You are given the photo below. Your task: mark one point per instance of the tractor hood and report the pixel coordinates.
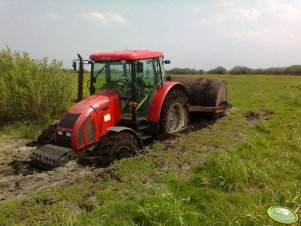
(86, 121)
(90, 104)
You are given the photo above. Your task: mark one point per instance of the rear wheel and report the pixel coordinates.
(174, 113)
(115, 146)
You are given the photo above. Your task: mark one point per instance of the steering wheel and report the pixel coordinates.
(121, 83)
(123, 87)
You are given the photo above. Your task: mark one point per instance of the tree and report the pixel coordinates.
(239, 70)
(185, 71)
(218, 70)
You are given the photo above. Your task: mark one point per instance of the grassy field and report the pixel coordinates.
(226, 172)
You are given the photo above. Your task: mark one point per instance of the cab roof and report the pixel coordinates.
(125, 55)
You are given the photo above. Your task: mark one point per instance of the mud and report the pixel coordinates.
(253, 117)
(18, 178)
(199, 121)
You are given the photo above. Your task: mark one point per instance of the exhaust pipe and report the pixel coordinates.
(80, 79)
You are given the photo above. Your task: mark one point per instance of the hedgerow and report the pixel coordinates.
(31, 89)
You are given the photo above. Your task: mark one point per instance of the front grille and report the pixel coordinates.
(68, 120)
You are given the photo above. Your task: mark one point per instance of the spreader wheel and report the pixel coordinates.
(115, 146)
(174, 114)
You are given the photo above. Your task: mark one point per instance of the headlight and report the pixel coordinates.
(68, 134)
(60, 132)
(89, 133)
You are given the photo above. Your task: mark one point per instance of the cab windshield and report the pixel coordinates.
(112, 75)
(119, 77)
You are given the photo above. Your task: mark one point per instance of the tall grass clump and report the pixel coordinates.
(32, 90)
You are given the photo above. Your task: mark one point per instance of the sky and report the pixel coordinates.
(199, 34)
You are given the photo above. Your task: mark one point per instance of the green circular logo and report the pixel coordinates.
(282, 215)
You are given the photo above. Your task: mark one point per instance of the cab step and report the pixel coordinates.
(145, 137)
(144, 133)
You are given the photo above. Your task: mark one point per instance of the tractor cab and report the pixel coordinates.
(134, 75)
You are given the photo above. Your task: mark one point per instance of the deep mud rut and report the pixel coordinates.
(18, 178)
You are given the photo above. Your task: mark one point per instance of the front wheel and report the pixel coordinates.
(174, 113)
(47, 136)
(115, 146)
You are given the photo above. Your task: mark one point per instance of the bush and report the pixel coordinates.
(32, 90)
(218, 70)
(185, 71)
(239, 70)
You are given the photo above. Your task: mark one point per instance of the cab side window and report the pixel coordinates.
(146, 77)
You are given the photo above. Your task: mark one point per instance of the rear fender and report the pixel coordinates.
(156, 106)
(119, 129)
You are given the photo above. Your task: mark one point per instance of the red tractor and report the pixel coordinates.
(131, 102)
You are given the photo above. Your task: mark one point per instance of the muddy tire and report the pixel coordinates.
(174, 113)
(47, 136)
(115, 146)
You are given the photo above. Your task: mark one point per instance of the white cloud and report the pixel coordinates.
(196, 10)
(273, 22)
(105, 18)
(53, 16)
(214, 20)
(95, 17)
(245, 13)
(250, 35)
(226, 3)
(116, 18)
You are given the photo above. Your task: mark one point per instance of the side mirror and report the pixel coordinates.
(166, 61)
(139, 67)
(74, 65)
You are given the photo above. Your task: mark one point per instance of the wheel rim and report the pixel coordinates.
(122, 152)
(176, 118)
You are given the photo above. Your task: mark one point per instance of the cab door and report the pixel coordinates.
(146, 82)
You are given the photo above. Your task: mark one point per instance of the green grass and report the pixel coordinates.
(27, 130)
(226, 174)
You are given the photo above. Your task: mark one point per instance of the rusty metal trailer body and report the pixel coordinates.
(204, 94)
